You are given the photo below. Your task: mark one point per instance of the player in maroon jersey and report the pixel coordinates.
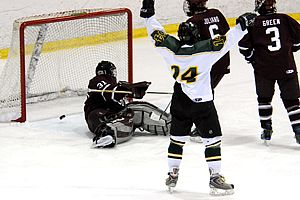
(110, 117)
(269, 47)
(211, 23)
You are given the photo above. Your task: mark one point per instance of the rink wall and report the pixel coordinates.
(168, 12)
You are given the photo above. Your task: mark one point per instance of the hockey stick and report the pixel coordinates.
(110, 91)
(165, 109)
(125, 92)
(159, 92)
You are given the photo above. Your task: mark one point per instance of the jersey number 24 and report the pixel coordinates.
(189, 75)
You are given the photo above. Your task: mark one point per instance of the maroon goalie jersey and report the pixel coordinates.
(270, 44)
(212, 23)
(105, 100)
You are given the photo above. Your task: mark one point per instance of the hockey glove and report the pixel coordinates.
(295, 48)
(138, 89)
(248, 55)
(246, 20)
(218, 42)
(250, 60)
(159, 37)
(147, 9)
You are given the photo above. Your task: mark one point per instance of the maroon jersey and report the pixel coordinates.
(212, 23)
(106, 100)
(270, 44)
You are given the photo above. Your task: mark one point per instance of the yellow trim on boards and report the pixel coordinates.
(172, 28)
(100, 39)
(4, 53)
(73, 43)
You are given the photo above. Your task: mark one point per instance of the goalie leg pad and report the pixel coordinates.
(123, 126)
(150, 118)
(119, 125)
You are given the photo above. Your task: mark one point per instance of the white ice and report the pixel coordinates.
(47, 158)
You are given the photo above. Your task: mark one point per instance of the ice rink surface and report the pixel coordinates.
(47, 158)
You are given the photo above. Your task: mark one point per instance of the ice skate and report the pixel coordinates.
(266, 136)
(296, 130)
(297, 136)
(171, 181)
(195, 136)
(103, 142)
(218, 186)
(105, 138)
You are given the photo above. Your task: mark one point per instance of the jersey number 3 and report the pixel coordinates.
(189, 75)
(275, 39)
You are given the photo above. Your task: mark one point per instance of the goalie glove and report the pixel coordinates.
(138, 89)
(246, 20)
(147, 9)
(159, 37)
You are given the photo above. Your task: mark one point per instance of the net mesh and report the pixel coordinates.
(61, 57)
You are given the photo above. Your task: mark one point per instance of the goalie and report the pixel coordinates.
(109, 115)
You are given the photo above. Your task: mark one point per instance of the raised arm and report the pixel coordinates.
(158, 35)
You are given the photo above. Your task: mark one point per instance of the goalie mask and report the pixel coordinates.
(188, 33)
(106, 67)
(265, 7)
(192, 7)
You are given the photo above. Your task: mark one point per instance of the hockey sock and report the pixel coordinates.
(213, 154)
(293, 110)
(265, 111)
(175, 152)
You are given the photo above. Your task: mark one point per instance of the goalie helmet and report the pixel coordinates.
(188, 33)
(265, 7)
(191, 7)
(106, 67)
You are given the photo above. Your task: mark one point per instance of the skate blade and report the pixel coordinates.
(170, 189)
(220, 192)
(267, 142)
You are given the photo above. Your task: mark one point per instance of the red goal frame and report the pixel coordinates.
(23, 26)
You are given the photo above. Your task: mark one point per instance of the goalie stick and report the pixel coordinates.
(128, 92)
(125, 92)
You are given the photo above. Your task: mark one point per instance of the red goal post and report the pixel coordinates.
(55, 55)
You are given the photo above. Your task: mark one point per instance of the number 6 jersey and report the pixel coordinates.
(271, 43)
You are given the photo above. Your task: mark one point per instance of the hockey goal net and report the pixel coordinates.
(55, 55)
